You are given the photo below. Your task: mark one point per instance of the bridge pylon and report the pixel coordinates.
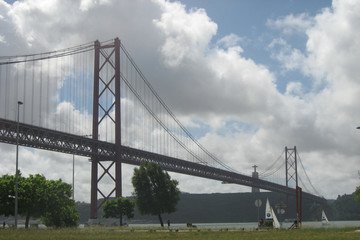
(291, 174)
(106, 101)
(291, 166)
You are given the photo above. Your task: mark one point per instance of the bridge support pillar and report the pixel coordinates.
(107, 81)
(292, 177)
(298, 206)
(255, 174)
(118, 182)
(94, 179)
(291, 166)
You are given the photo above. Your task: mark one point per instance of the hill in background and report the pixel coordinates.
(240, 207)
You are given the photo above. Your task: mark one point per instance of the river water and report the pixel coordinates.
(251, 225)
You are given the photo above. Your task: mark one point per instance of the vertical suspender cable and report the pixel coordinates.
(41, 88)
(144, 130)
(69, 93)
(127, 102)
(16, 96)
(106, 119)
(32, 91)
(24, 91)
(2, 87)
(6, 90)
(47, 113)
(73, 94)
(86, 97)
(71, 86)
(82, 109)
(77, 96)
(63, 86)
(55, 89)
(133, 112)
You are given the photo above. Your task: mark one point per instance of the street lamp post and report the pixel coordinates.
(73, 177)
(17, 163)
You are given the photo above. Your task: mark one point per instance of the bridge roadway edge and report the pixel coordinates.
(37, 137)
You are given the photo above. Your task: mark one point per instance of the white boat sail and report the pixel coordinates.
(324, 219)
(276, 223)
(270, 215)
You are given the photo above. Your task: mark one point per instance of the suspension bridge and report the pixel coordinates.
(93, 100)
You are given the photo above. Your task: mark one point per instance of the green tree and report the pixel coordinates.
(7, 194)
(357, 194)
(60, 208)
(119, 207)
(32, 197)
(155, 192)
(38, 197)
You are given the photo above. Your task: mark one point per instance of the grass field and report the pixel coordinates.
(117, 233)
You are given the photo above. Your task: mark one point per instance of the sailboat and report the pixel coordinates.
(276, 223)
(324, 219)
(270, 216)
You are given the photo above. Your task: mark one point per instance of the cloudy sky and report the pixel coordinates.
(246, 77)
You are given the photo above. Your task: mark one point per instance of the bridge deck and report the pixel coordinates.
(36, 137)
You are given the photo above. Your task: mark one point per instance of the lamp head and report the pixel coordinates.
(20, 103)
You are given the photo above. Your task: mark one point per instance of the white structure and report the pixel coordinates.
(324, 219)
(270, 215)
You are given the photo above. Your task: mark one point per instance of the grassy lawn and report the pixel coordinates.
(117, 233)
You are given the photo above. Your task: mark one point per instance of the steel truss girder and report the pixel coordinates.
(37, 137)
(136, 157)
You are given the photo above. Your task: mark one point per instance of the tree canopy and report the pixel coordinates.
(39, 197)
(346, 208)
(60, 208)
(155, 192)
(119, 207)
(32, 196)
(357, 194)
(7, 194)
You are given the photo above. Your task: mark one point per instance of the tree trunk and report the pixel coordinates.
(27, 220)
(161, 221)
